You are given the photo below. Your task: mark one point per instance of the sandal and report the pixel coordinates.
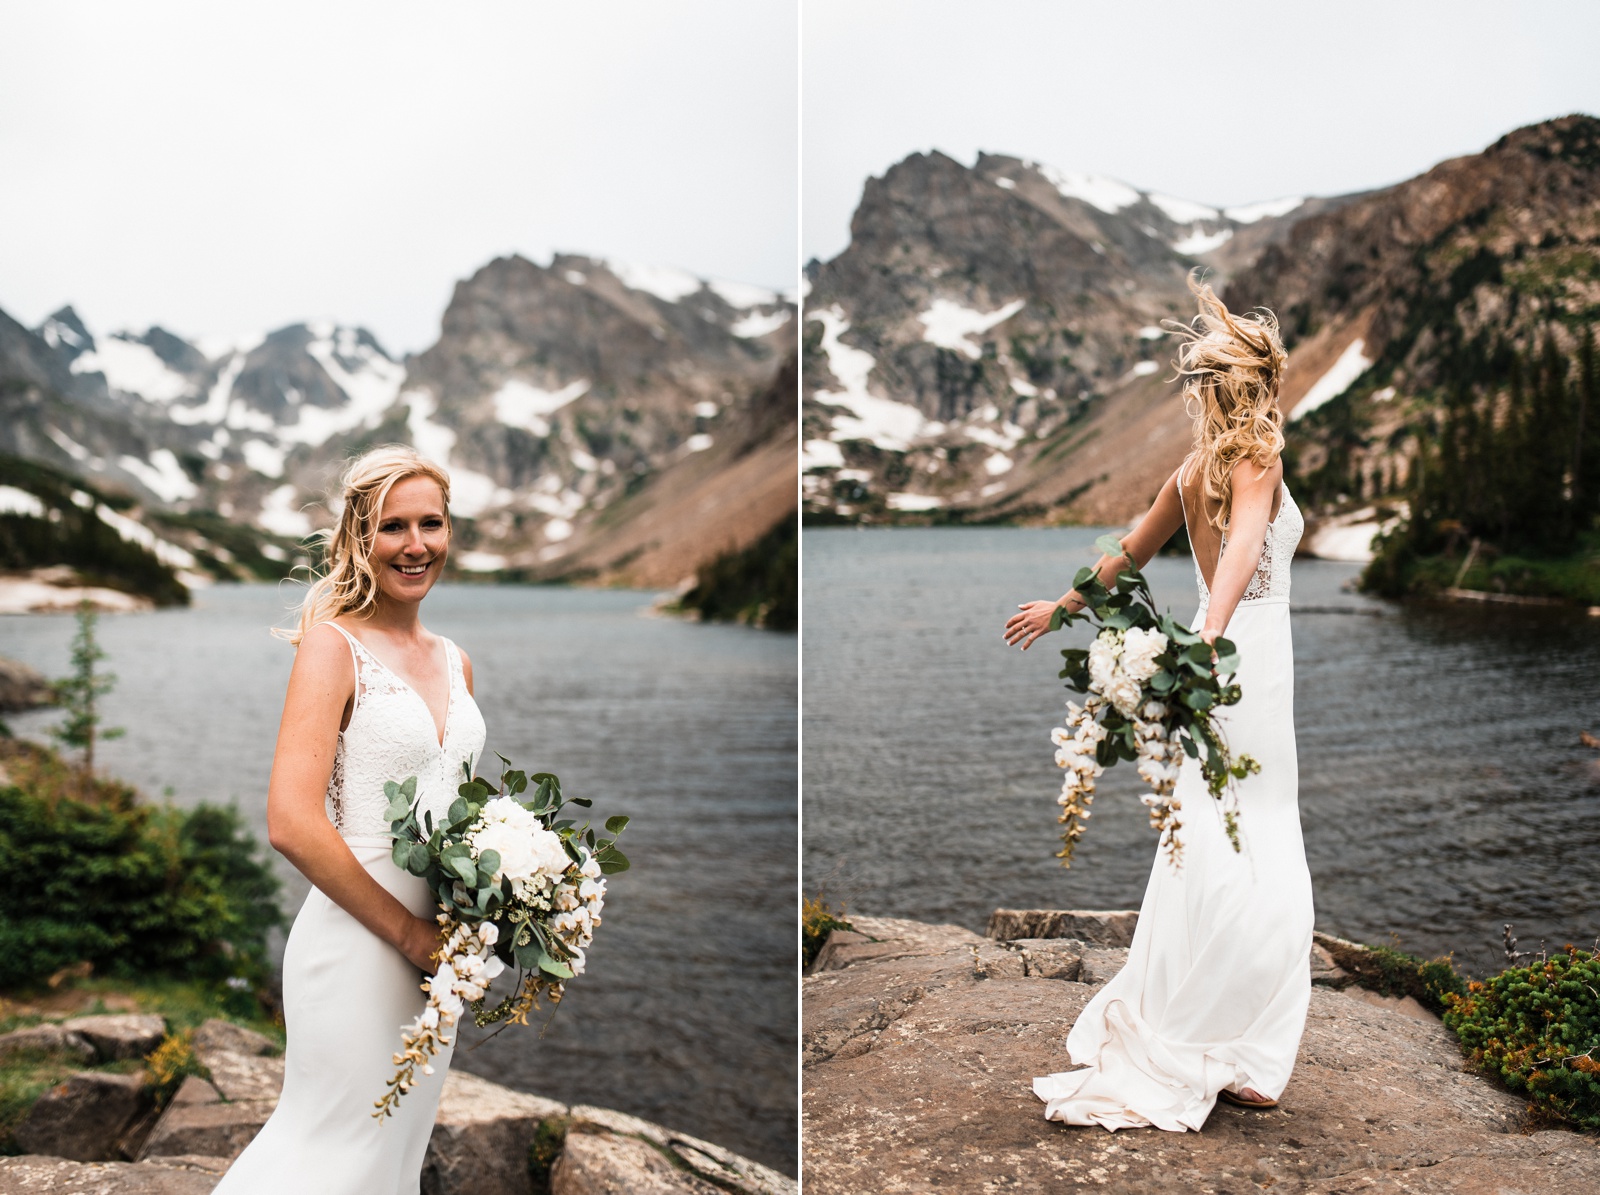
(1233, 1097)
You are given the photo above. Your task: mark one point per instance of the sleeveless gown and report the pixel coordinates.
(347, 993)
(1217, 983)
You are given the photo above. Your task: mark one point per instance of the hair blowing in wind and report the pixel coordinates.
(1230, 366)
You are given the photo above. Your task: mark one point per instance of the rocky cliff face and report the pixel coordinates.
(1410, 295)
(990, 329)
(553, 394)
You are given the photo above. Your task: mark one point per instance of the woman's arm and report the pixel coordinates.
(320, 685)
(1254, 488)
(1163, 518)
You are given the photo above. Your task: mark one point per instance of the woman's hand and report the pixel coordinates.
(421, 943)
(1034, 620)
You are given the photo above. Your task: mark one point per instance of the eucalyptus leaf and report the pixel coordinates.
(1110, 545)
(616, 824)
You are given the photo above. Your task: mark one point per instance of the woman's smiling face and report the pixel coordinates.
(413, 539)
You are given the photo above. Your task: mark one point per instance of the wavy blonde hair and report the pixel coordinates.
(1231, 367)
(349, 583)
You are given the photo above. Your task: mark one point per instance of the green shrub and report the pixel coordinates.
(1537, 1029)
(133, 889)
(817, 921)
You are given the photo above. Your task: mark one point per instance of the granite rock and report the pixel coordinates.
(85, 1117)
(45, 1039)
(917, 1077)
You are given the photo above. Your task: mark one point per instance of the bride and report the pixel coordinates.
(1213, 999)
(373, 696)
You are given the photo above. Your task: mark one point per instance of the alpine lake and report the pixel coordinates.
(686, 1014)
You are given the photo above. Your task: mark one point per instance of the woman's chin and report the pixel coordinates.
(399, 587)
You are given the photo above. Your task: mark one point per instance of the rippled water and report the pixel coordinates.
(1443, 790)
(686, 1015)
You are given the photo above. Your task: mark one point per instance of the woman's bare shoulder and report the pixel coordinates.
(1249, 473)
(322, 649)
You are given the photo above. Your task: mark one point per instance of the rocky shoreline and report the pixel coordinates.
(920, 1043)
(99, 1133)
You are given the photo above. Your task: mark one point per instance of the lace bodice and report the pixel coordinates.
(1271, 578)
(392, 735)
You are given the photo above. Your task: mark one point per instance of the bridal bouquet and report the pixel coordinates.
(1152, 687)
(517, 887)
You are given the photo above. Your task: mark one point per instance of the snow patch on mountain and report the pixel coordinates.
(1352, 363)
(888, 424)
(1198, 241)
(755, 324)
(664, 282)
(20, 502)
(1249, 213)
(266, 459)
(161, 475)
(133, 368)
(821, 454)
(1107, 194)
(133, 531)
(948, 324)
(1183, 211)
(520, 404)
(743, 294)
(281, 516)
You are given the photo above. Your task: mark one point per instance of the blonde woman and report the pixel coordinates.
(374, 696)
(1212, 1001)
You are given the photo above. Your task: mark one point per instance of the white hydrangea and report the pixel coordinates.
(1103, 659)
(1125, 694)
(531, 855)
(1139, 651)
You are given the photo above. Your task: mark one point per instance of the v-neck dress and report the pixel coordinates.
(347, 994)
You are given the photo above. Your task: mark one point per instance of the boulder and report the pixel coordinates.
(715, 1166)
(481, 1137)
(244, 1077)
(601, 1163)
(57, 1176)
(917, 1076)
(45, 1039)
(216, 1034)
(1097, 927)
(214, 1130)
(22, 688)
(84, 1118)
(119, 1035)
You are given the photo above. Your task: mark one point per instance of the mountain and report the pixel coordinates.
(988, 346)
(559, 396)
(1423, 299)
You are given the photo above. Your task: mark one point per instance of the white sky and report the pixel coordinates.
(1222, 102)
(227, 167)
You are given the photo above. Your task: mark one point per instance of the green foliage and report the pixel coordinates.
(170, 1063)
(759, 585)
(1390, 972)
(817, 921)
(131, 888)
(1537, 1029)
(75, 535)
(79, 694)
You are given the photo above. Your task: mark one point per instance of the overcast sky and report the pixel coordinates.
(226, 167)
(1221, 102)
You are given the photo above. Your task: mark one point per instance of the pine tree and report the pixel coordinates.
(80, 693)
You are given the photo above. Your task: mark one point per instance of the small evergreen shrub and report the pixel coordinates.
(1537, 1029)
(817, 921)
(133, 889)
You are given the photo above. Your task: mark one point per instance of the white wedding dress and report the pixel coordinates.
(1215, 990)
(347, 993)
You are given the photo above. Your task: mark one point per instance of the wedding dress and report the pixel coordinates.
(347, 993)
(1217, 983)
